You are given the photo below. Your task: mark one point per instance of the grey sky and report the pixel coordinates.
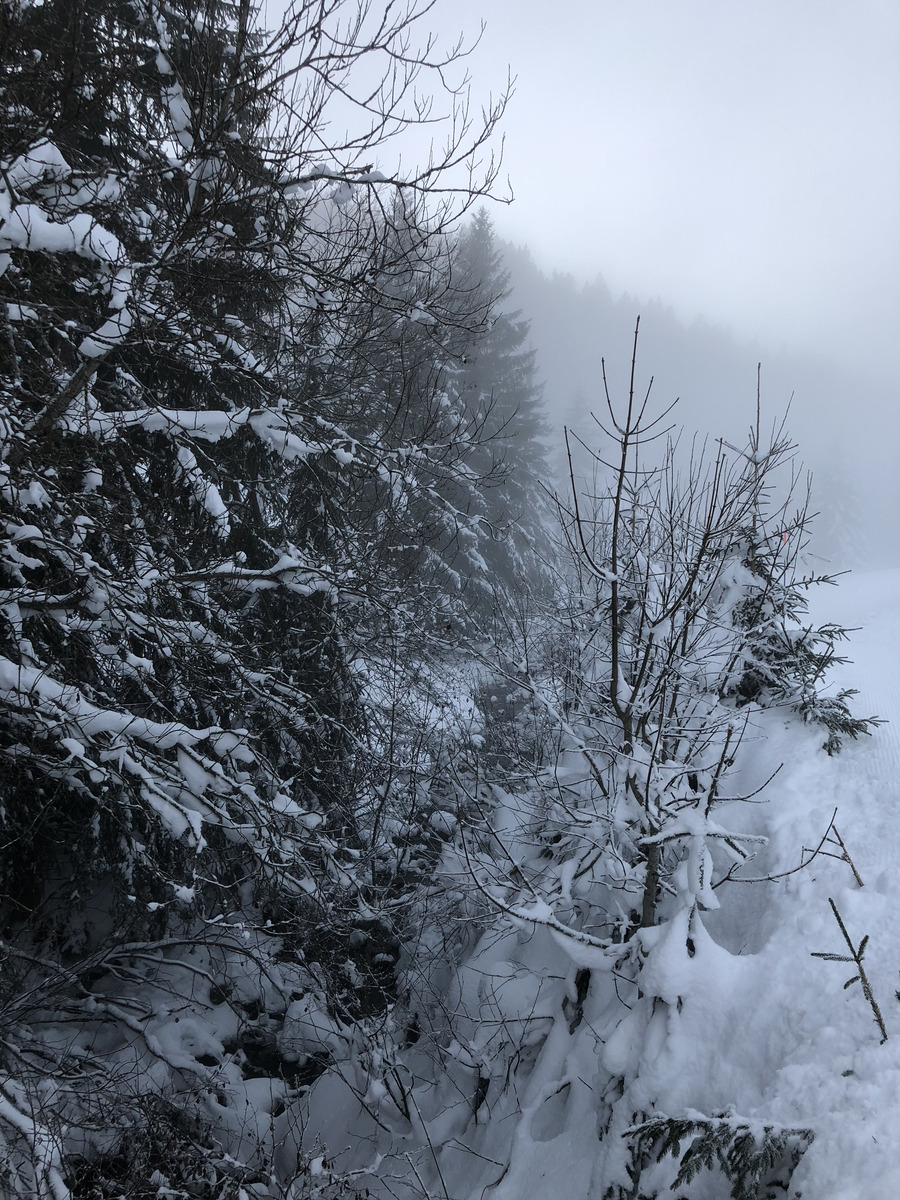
(738, 160)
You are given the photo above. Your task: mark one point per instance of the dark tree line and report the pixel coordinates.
(246, 510)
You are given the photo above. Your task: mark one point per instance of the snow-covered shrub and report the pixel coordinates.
(571, 1042)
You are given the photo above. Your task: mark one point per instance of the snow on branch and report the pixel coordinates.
(21, 686)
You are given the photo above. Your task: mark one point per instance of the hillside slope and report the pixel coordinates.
(833, 1072)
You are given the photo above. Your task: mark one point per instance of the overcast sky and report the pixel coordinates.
(739, 160)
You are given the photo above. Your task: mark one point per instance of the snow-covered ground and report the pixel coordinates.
(766, 1029)
(820, 1061)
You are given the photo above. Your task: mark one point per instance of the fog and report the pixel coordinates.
(581, 330)
(732, 172)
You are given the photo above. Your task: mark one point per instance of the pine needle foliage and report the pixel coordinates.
(756, 1160)
(186, 791)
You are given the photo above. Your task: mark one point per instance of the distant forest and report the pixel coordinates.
(845, 425)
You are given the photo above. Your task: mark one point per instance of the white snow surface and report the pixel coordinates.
(791, 1044)
(823, 1064)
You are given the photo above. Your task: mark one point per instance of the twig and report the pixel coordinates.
(855, 956)
(844, 855)
(730, 878)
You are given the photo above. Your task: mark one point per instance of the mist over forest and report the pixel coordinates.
(846, 424)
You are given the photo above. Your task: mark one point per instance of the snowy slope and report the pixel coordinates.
(821, 1062)
(762, 1028)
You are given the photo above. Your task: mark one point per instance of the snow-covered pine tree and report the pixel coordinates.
(418, 525)
(179, 721)
(780, 658)
(413, 537)
(495, 373)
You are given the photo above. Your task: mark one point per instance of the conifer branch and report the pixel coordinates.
(856, 957)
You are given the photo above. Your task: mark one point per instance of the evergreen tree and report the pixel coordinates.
(180, 724)
(777, 658)
(495, 373)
